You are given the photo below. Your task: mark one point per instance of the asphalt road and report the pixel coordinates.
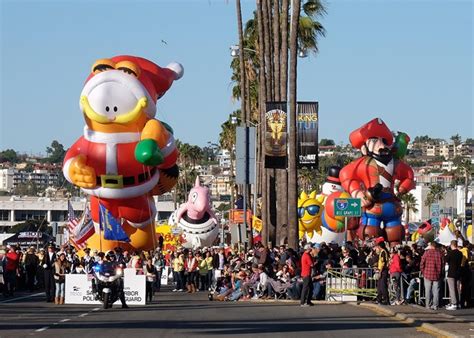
(184, 315)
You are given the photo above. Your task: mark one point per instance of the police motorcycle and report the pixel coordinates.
(107, 282)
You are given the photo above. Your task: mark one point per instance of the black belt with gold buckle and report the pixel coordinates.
(119, 181)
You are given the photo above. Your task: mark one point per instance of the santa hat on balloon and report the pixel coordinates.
(153, 80)
(374, 128)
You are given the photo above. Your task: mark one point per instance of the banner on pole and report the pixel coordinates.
(307, 116)
(276, 135)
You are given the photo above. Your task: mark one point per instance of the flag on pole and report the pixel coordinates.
(85, 228)
(111, 226)
(72, 223)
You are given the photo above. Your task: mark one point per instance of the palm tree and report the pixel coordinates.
(409, 204)
(309, 29)
(456, 140)
(292, 170)
(241, 63)
(184, 155)
(435, 194)
(306, 180)
(195, 155)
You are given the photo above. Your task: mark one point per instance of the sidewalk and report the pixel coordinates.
(442, 323)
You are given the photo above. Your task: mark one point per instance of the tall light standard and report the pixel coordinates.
(235, 52)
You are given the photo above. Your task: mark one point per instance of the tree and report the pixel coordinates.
(469, 141)
(409, 203)
(463, 173)
(28, 188)
(292, 170)
(32, 225)
(327, 142)
(456, 139)
(309, 29)
(307, 180)
(8, 155)
(435, 194)
(55, 152)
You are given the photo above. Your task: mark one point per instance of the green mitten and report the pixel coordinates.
(148, 153)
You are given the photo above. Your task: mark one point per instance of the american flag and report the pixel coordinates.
(72, 222)
(85, 228)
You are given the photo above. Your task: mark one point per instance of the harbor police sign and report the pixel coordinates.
(78, 289)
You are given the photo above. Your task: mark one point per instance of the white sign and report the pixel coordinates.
(78, 289)
(30, 234)
(164, 276)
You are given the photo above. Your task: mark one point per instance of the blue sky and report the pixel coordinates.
(408, 62)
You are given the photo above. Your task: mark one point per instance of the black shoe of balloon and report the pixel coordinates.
(124, 306)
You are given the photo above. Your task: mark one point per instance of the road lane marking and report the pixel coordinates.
(64, 320)
(83, 314)
(42, 329)
(24, 297)
(96, 309)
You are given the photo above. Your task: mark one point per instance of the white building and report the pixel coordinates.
(10, 178)
(451, 206)
(14, 210)
(224, 158)
(6, 179)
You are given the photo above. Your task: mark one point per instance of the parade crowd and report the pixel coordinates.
(398, 273)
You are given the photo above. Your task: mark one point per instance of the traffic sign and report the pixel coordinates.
(435, 215)
(347, 207)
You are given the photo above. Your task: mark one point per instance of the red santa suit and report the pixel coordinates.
(123, 185)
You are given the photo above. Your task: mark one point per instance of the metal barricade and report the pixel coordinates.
(443, 290)
(351, 284)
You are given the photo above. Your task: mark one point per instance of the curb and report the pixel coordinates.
(291, 301)
(410, 320)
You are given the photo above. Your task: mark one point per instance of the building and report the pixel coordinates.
(427, 179)
(14, 209)
(326, 151)
(10, 178)
(451, 206)
(220, 186)
(224, 158)
(6, 179)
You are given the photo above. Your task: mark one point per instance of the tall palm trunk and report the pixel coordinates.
(261, 104)
(271, 189)
(243, 99)
(281, 175)
(284, 51)
(292, 170)
(283, 68)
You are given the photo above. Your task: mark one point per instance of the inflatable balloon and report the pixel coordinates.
(446, 232)
(378, 178)
(196, 219)
(425, 231)
(469, 232)
(125, 155)
(309, 214)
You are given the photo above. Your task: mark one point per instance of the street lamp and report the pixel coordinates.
(235, 51)
(303, 52)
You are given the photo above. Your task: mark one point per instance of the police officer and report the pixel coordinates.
(110, 263)
(48, 266)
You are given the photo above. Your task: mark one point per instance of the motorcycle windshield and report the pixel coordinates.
(108, 269)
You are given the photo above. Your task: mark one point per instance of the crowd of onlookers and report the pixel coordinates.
(399, 273)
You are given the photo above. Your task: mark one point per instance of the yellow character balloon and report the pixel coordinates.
(309, 214)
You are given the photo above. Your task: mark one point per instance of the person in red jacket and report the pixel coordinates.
(11, 270)
(306, 267)
(395, 270)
